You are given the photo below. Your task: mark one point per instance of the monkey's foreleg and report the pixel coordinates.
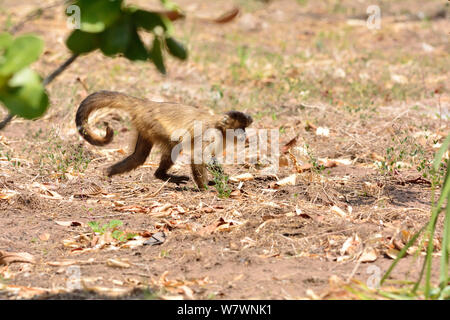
(164, 166)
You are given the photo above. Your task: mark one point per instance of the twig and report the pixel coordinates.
(108, 216)
(35, 14)
(326, 233)
(60, 69)
(5, 121)
(391, 122)
(160, 188)
(353, 137)
(138, 274)
(417, 180)
(353, 271)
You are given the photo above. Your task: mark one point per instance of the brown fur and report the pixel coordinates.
(155, 123)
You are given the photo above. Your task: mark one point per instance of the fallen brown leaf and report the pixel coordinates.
(338, 211)
(6, 194)
(288, 181)
(44, 236)
(65, 263)
(285, 149)
(211, 228)
(227, 16)
(9, 257)
(392, 253)
(351, 245)
(172, 15)
(69, 223)
(309, 126)
(369, 255)
(235, 194)
(242, 177)
(117, 263)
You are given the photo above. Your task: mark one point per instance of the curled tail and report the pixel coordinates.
(98, 100)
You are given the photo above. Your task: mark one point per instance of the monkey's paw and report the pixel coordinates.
(179, 179)
(172, 178)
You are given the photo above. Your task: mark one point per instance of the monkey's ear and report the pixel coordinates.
(222, 124)
(225, 119)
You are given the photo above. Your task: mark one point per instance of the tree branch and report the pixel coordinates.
(5, 121)
(60, 69)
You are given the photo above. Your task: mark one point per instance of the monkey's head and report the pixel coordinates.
(235, 120)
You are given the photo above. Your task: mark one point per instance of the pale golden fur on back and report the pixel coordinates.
(154, 120)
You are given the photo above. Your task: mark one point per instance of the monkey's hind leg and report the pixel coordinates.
(134, 160)
(200, 174)
(164, 166)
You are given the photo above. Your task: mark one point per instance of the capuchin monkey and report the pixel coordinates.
(156, 123)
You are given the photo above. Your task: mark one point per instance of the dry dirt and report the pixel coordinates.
(295, 66)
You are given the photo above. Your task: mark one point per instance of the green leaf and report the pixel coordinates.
(94, 226)
(131, 235)
(440, 154)
(24, 77)
(136, 49)
(114, 224)
(97, 15)
(20, 53)
(445, 293)
(169, 5)
(176, 49)
(149, 20)
(156, 55)
(82, 42)
(118, 235)
(5, 40)
(116, 38)
(25, 95)
(444, 276)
